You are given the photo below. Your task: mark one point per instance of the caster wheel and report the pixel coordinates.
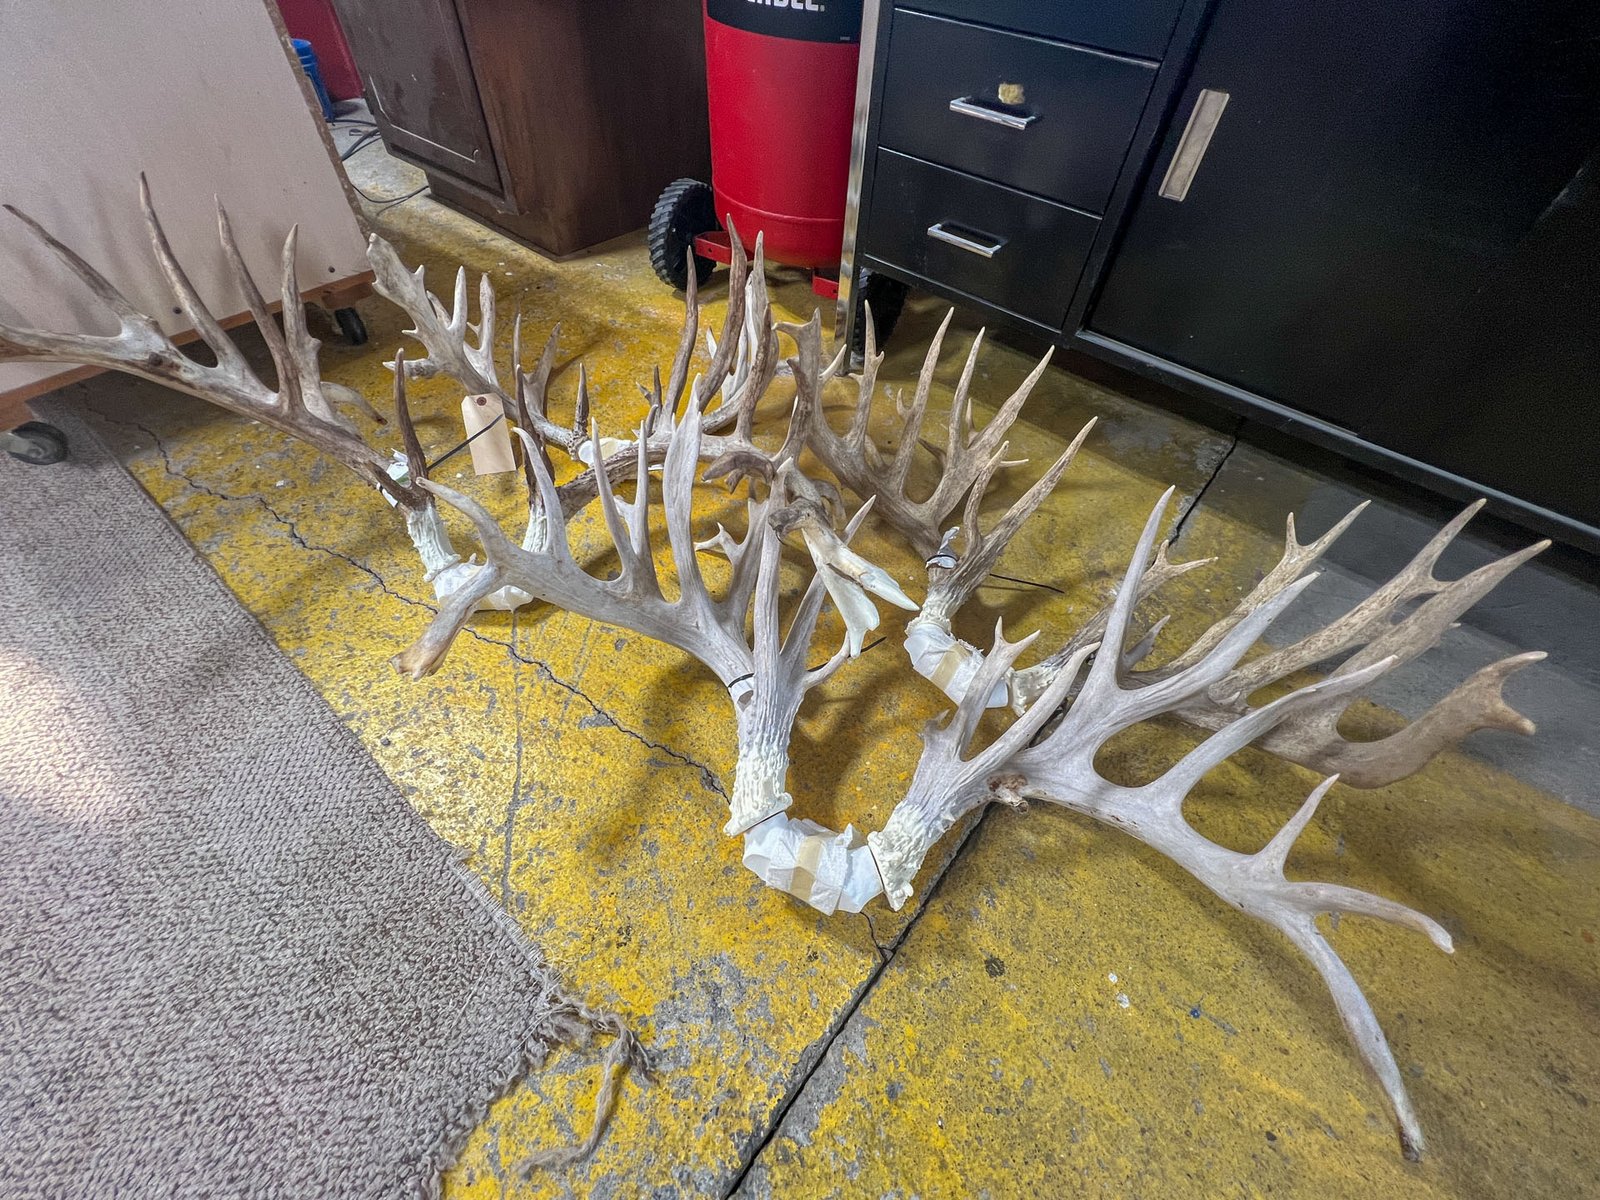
(351, 325)
(35, 442)
(682, 213)
(887, 297)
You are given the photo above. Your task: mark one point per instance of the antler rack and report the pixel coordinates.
(1065, 706)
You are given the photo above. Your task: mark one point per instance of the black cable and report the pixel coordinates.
(462, 446)
(1030, 582)
(387, 201)
(361, 143)
(402, 199)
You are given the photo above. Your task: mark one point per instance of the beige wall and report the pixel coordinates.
(200, 96)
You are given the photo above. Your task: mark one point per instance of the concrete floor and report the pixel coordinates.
(976, 1043)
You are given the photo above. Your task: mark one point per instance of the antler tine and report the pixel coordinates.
(712, 381)
(254, 300)
(205, 324)
(537, 381)
(805, 366)
(963, 464)
(745, 558)
(1313, 739)
(911, 426)
(677, 483)
(482, 355)
(1027, 683)
(1424, 627)
(679, 378)
(580, 417)
(304, 390)
(958, 431)
(534, 444)
(1103, 674)
(1369, 617)
(103, 290)
(856, 439)
(639, 514)
(1297, 557)
(764, 356)
(424, 656)
(734, 387)
(956, 734)
(416, 462)
(635, 578)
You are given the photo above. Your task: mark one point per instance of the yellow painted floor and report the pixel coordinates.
(973, 1044)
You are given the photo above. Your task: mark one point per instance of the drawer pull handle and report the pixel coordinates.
(967, 240)
(1194, 143)
(970, 106)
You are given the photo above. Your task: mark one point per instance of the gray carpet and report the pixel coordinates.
(233, 961)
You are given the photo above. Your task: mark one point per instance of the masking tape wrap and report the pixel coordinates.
(829, 871)
(950, 663)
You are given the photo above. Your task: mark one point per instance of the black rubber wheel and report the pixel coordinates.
(351, 325)
(887, 297)
(682, 213)
(36, 443)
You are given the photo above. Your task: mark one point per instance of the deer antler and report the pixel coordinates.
(1374, 629)
(767, 678)
(302, 404)
(446, 337)
(1059, 767)
(857, 463)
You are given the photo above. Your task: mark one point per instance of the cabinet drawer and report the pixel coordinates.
(1065, 138)
(1140, 27)
(1022, 254)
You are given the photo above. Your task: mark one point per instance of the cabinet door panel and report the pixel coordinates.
(414, 67)
(1378, 176)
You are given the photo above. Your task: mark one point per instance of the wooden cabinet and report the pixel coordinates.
(420, 88)
(1380, 229)
(558, 123)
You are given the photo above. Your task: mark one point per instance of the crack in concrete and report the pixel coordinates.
(886, 956)
(514, 805)
(708, 778)
(1194, 501)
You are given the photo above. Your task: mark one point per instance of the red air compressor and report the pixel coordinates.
(781, 80)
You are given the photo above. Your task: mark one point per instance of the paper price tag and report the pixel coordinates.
(490, 435)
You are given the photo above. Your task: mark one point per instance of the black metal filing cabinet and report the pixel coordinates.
(1376, 226)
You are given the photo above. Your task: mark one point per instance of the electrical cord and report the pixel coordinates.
(361, 143)
(387, 202)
